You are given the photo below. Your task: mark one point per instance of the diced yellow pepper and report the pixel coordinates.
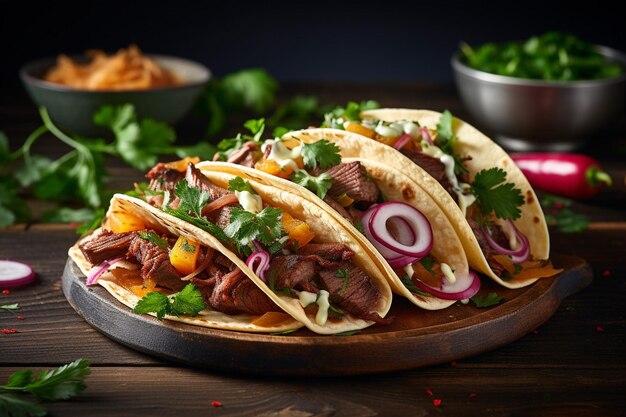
(272, 168)
(344, 200)
(297, 230)
(184, 255)
(120, 222)
(360, 130)
(181, 164)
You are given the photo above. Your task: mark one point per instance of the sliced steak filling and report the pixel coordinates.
(433, 166)
(486, 248)
(245, 155)
(358, 296)
(331, 251)
(163, 178)
(294, 272)
(195, 178)
(235, 293)
(155, 264)
(351, 179)
(107, 245)
(338, 208)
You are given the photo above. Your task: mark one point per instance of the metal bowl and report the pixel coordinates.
(73, 109)
(529, 114)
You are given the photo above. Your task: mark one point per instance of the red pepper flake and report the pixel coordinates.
(21, 317)
(14, 330)
(606, 273)
(6, 292)
(428, 392)
(453, 364)
(599, 328)
(6, 331)
(216, 404)
(473, 394)
(437, 402)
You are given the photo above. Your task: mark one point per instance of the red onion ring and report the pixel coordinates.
(262, 257)
(14, 274)
(452, 292)
(402, 141)
(376, 227)
(401, 261)
(518, 255)
(99, 270)
(426, 135)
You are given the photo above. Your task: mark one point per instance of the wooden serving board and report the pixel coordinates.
(415, 338)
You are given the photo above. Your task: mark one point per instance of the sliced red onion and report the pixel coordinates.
(99, 270)
(14, 274)
(426, 135)
(518, 255)
(402, 140)
(378, 233)
(401, 261)
(260, 258)
(464, 287)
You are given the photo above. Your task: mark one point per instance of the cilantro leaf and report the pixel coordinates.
(322, 153)
(568, 221)
(408, 283)
(188, 301)
(200, 222)
(343, 273)
(446, 138)
(239, 184)
(489, 300)
(245, 226)
(319, 185)
(428, 262)
(494, 195)
(15, 306)
(154, 238)
(192, 199)
(12, 406)
(280, 131)
(256, 127)
(351, 112)
(154, 302)
(57, 384)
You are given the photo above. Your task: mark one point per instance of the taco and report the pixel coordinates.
(484, 195)
(399, 224)
(251, 254)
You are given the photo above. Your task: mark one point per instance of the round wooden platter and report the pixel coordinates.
(415, 338)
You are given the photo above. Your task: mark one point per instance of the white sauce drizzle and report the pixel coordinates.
(447, 272)
(283, 156)
(322, 312)
(250, 202)
(307, 298)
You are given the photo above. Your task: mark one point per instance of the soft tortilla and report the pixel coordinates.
(395, 186)
(485, 154)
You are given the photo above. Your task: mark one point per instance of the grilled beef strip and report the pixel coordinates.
(293, 272)
(433, 166)
(486, 248)
(357, 297)
(351, 179)
(331, 251)
(163, 178)
(106, 245)
(245, 155)
(338, 208)
(155, 264)
(195, 178)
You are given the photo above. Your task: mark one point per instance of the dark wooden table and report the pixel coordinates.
(574, 364)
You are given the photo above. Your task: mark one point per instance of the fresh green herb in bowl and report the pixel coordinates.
(553, 56)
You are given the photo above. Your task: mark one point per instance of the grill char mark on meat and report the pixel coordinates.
(107, 245)
(235, 293)
(351, 179)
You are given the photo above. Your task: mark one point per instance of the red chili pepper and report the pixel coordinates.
(566, 174)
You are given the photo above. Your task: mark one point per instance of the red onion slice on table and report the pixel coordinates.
(14, 274)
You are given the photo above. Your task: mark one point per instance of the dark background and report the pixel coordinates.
(391, 41)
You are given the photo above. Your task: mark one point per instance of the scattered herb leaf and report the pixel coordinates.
(322, 153)
(489, 300)
(154, 238)
(319, 185)
(188, 302)
(494, 195)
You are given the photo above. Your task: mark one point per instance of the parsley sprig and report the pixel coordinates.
(497, 196)
(61, 383)
(187, 302)
(322, 153)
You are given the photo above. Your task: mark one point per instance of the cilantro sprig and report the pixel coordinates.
(446, 140)
(322, 153)
(497, 196)
(319, 185)
(61, 383)
(187, 302)
(256, 127)
(244, 226)
(239, 184)
(154, 238)
(351, 112)
(488, 300)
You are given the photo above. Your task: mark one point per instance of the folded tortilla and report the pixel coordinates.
(485, 154)
(326, 230)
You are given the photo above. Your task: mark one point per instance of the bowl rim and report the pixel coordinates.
(606, 51)
(28, 78)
